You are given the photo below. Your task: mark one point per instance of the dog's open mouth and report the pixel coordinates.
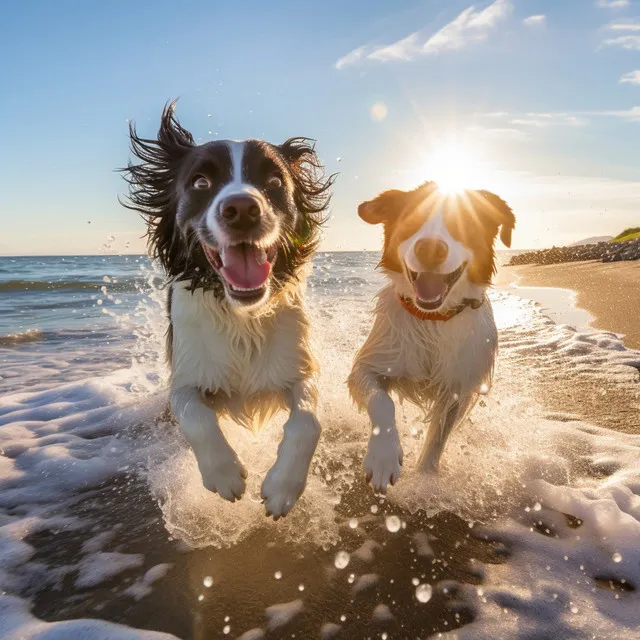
(245, 268)
(431, 289)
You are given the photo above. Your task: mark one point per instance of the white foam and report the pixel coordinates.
(100, 567)
(278, 615)
(17, 622)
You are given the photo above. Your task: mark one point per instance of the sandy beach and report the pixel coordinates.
(609, 292)
(586, 294)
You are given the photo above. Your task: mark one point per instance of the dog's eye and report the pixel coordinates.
(200, 182)
(274, 181)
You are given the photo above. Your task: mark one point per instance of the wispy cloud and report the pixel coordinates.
(573, 119)
(539, 120)
(633, 77)
(535, 21)
(469, 27)
(624, 26)
(509, 133)
(632, 114)
(612, 4)
(631, 43)
(631, 39)
(351, 58)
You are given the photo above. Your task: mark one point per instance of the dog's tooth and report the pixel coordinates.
(221, 253)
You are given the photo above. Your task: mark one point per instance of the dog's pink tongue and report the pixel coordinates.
(242, 269)
(429, 286)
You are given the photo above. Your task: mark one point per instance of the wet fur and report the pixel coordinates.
(438, 366)
(244, 363)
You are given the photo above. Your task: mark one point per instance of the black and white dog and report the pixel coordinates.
(234, 225)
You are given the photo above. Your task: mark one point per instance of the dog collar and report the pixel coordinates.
(409, 306)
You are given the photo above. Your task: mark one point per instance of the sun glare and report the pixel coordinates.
(454, 168)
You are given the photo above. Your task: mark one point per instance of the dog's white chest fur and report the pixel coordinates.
(457, 355)
(216, 349)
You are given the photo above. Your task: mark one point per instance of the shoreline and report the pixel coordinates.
(592, 294)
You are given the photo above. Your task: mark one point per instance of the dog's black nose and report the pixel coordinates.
(241, 211)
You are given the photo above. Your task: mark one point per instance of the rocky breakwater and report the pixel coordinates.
(602, 251)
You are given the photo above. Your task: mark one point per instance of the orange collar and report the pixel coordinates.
(408, 305)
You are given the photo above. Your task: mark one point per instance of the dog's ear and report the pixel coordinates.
(500, 214)
(312, 188)
(172, 136)
(382, 208)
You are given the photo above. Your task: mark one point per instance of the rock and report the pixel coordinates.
(604, 251)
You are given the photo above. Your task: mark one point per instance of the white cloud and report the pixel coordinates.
(509, 133)
(624, 26)
(469, 27)
(632, 114)
(539, 120)
(633, 77)
(535, 21)
(631, 43)
(351, 58)
(404, 49)
(612, 4)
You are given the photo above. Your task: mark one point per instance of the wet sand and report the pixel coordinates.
(609, 292)
(608, 298)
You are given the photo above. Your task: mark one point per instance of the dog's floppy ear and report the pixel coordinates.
(312, 190)
(500, 214)
(382, 208)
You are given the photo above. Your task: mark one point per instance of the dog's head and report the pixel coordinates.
(240, 218)
(438, 249)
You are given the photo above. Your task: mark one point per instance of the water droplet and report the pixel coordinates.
(99, 302)
(374, 508)
(300, 587)
(376, 431)
(343, 618)
(106, 278)
(226, 629)
(484, 389)
(351, 578)
(353, 523)
(574, 609)
(384, 635)
(424, 592)
(338, 159)
(277, 575)
(617, 557)
(341, 560)
(200, 598)
(415, 582)
(393, 523)
(537, 506)
(208, 581)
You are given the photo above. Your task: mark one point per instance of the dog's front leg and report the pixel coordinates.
(287, 478)
(221, 470)
(384, 453)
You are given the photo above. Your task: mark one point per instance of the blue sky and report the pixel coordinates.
(542, 95)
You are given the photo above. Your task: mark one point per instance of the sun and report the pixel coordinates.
(454, 167)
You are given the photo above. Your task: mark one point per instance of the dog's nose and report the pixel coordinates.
(431, 252)
(241, 211)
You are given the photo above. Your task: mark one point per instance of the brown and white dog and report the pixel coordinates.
(234, 225)
(434, 339)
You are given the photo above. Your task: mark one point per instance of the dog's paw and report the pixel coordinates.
(223, 473)
(383, 460)
(283, 485)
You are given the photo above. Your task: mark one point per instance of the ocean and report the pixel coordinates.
(530, 529)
